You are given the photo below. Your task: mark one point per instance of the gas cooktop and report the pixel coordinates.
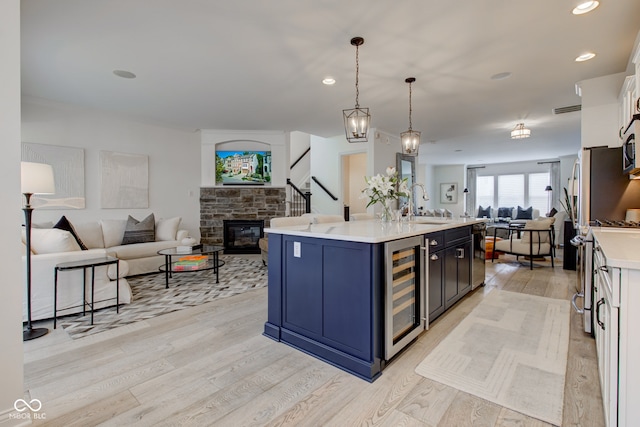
(616, 223)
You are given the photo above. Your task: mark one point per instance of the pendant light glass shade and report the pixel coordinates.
(410, 139)
(520, 132)
(357, 120)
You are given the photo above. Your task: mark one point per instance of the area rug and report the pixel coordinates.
(151, 299)
(510, 350)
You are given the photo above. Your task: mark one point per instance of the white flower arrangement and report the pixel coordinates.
(381, 188)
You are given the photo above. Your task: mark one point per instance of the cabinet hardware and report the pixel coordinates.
(433, 242)
(434, 257)
(598, 305)
(460, 253)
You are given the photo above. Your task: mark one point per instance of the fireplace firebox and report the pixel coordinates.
(242, 236)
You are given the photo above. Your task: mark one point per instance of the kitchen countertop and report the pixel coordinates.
(374, 231)
(620, 246)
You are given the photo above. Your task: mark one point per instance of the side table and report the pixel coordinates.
(84, 265)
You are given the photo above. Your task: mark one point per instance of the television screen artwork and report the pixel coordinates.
(243, 167)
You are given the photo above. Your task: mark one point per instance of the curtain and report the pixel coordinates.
(557, 193)
(470, 208)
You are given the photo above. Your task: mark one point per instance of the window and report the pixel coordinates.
(484, 191)
(538, 197)
(513, 190)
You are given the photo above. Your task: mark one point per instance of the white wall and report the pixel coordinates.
(326, 165)
(355, 166)
(174, 163)
(299, 143)
(243, 140)
(12, 288)
(449, 174)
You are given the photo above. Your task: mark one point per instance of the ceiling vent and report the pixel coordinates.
(569, 109)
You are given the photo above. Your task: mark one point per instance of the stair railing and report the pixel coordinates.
(300, 202)
(324, 188)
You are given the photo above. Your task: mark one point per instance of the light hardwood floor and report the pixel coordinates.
(210, 365)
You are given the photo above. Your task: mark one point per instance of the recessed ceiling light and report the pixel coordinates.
(585, 57)
(501, 76)
(124, 74)
(329, 81)
(584, 6)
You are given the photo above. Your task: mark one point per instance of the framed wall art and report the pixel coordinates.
(125, 180)
(449, 192)
(68, 174)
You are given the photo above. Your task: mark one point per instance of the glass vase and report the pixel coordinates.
(386, 215)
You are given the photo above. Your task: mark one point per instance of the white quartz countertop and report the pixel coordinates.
(620, 246)
(373, 231)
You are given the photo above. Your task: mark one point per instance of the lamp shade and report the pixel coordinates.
(548, 188)
(36, 178)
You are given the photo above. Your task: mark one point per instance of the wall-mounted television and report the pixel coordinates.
(243, 167)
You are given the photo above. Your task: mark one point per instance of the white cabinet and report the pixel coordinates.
(606, 333)
(627, 103)
(617, 333)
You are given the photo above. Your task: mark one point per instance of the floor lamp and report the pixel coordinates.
(36, 178)
(548, 190)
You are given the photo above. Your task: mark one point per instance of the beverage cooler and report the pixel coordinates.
(404, 293)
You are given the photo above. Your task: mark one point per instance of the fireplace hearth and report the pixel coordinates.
(242, 236)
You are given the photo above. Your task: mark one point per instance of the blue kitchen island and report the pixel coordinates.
(353, 294)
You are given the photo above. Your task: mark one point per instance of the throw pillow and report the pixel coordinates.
(552, 212)
(139, 231)
(525, 213)
(484, 213)
(505, 212)
(64, 224)
(167, 229)
(50, 241)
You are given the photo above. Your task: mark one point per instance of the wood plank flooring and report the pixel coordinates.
(210, 365)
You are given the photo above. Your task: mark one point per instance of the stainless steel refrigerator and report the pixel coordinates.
(605, 191)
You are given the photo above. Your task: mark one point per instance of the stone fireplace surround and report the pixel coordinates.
(220, 203)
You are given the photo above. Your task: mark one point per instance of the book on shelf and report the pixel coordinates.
(185, 249)
(192, 258)
(191, 262)
(180, 267)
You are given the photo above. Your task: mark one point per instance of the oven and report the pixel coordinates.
(584, 242)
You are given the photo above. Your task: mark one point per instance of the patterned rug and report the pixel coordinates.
(151, 299)
(511, 350)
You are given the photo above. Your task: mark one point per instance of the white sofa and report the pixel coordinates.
(50, 247)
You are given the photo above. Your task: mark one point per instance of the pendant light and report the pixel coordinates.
(410, 139)
(357, 120)
(520, 132)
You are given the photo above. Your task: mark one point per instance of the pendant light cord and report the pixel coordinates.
(410, 110)
(357, 72)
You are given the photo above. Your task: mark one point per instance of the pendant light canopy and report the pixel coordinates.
(357, 120)
(410, 139)
(520, 132)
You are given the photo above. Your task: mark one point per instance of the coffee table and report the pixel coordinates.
(213, 262)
